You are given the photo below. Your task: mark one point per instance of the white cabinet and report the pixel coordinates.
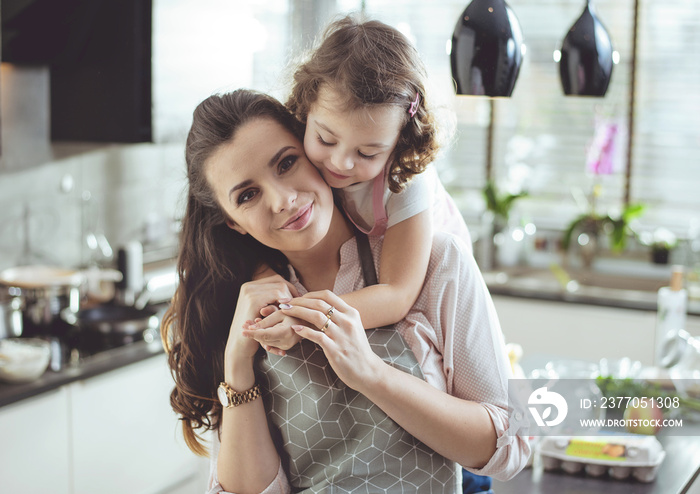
(125, 435)
(579, 331)
(114, 433)
(35, 445)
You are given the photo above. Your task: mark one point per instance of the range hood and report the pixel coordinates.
(46, 32)
(99, 56)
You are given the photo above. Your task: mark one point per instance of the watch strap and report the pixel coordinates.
(236, 399)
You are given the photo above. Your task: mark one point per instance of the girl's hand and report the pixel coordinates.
(274, 332)
(340, 334)
(253, 297)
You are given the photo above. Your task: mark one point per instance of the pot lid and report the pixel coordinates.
(40, 276)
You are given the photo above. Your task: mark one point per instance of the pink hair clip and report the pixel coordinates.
(414, 106)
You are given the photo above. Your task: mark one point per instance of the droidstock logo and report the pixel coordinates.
(541, 399)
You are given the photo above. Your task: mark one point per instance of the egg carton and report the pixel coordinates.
(619, 456)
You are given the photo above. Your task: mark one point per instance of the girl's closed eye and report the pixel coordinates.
(322, 142)
(360, 153)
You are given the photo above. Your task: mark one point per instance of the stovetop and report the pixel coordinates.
(71, 346)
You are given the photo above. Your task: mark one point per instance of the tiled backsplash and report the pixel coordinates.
(136, 192)
(53, 194)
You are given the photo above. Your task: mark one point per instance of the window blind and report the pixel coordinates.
(666, 151)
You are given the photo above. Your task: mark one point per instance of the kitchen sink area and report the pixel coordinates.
(581, 286)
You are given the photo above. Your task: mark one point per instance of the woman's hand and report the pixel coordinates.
(253, 297)
(337, 329)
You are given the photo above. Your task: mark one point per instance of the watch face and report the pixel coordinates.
(223, 398)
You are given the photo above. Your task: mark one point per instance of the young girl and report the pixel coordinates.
(369, 131)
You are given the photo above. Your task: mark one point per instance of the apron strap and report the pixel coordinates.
(366, 259)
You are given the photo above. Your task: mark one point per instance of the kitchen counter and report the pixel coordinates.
(94, 365)
(676, 474)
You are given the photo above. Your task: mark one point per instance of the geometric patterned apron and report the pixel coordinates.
(331, 438)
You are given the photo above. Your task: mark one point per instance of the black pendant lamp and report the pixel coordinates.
(486, 49)
(586, 57)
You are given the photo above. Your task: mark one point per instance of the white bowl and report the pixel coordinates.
(23, 359)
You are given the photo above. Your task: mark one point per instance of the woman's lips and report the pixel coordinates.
(300, 219)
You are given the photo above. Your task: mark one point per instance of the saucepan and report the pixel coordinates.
(44, 291)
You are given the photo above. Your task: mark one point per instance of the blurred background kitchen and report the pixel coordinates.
(96, 99)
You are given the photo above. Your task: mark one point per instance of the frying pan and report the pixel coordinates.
(114, 319)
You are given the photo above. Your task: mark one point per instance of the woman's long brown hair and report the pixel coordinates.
(213, 262)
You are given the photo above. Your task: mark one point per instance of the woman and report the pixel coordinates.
(255, 201)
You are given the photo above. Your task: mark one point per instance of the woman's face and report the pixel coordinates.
(269, 189)
(350, 146)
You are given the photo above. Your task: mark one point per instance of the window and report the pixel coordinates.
(201, 47)
(541, 137)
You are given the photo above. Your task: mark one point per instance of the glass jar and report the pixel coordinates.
(680, 354)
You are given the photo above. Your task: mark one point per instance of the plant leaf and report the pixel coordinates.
(566, 239)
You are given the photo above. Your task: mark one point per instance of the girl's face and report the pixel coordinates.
(350, 146)
(268, 188)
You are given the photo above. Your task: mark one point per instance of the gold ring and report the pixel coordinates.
(330, 312)
(325, 326)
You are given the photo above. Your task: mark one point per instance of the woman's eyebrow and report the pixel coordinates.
(241, 185)
(273, 161)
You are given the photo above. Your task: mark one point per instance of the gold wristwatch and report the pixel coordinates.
(230, 398)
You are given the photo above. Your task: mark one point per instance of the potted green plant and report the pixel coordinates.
(587, 227)
(500, 249)
(500, 204)
(593, 224)
(662, 243)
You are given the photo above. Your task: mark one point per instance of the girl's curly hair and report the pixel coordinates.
(373, 64)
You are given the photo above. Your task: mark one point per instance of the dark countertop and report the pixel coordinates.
(92, 366)
(680, 468)
(678, 471)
